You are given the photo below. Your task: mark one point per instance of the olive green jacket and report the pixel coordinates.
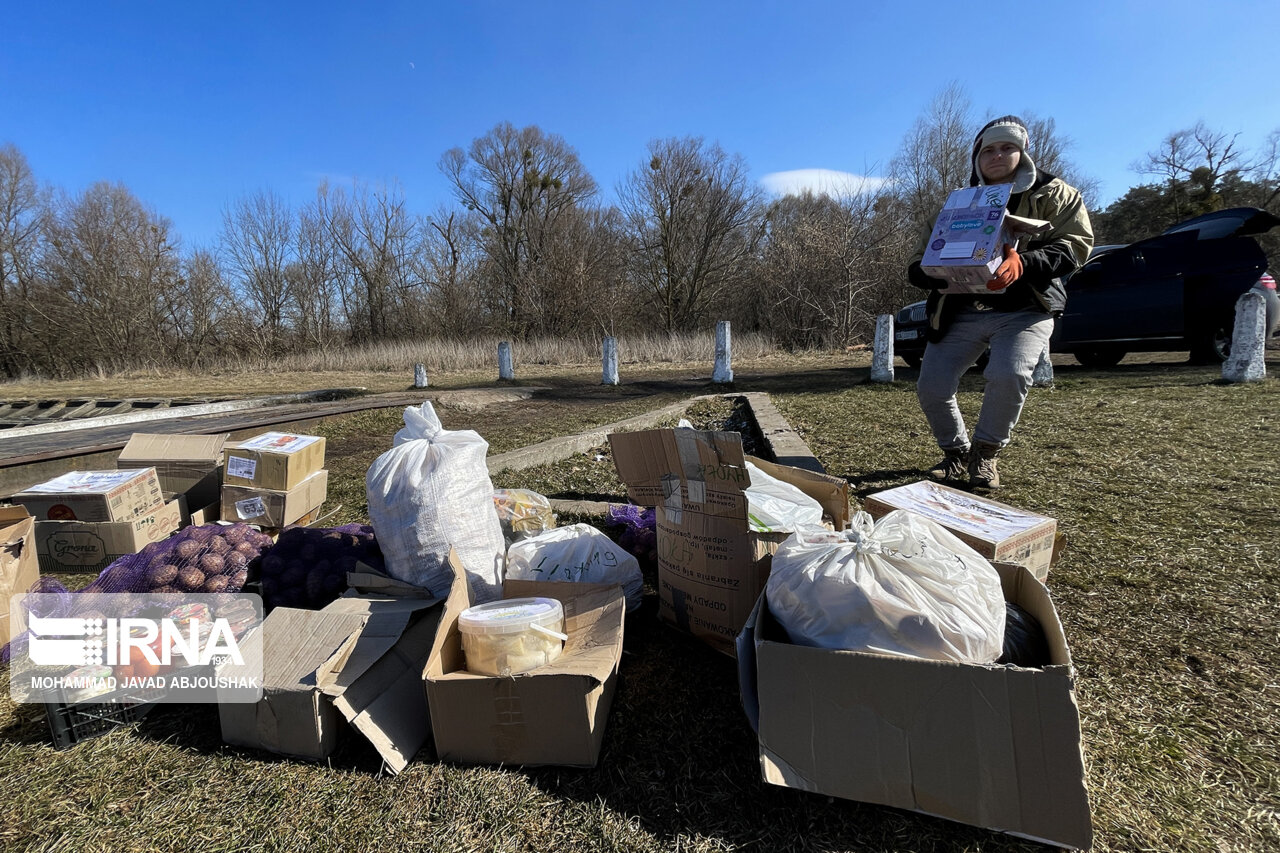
(1047, 258)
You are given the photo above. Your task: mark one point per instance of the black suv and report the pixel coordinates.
(1174, 291)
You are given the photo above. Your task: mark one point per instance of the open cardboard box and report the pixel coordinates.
(358, 660)
(711, 567)
(18, 566)
(992, 746)
(555, 714)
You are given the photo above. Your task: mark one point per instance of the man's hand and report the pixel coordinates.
(1009, 271)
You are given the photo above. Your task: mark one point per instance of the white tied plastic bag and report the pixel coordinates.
(577, 553)
(429, 492)
(902, 586)
(777, 506)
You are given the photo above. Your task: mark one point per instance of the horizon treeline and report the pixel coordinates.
(98, 282)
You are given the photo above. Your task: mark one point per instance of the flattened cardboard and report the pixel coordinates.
(360, 659)
(85, 546)
(992, 746)
(995, 530)
(274, 460)
(711, 567)
(94, 496)
(18, 565)
(555, 714)
(185, 464)
(274, 508)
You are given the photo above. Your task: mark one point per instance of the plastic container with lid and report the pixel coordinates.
(512, 636)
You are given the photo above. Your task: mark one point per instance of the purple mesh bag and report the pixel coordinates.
(211, 558)
(308, 566)
(639, 534)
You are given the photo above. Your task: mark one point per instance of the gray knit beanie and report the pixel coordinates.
(1005, 129)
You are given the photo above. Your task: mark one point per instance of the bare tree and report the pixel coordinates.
(935, 157)
(448, 265)
(312, 280)
(580, 281)
(373, 234)
(520, 182)
(693, 216)
(1195, 163)
(22, 207)
(109, 272)
(257, 239)
(824, 267)
(200, 313)
(1048, 148)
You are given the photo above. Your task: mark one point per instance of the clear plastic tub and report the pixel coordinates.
(512, 636)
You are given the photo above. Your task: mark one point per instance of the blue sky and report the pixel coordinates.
(192, 105)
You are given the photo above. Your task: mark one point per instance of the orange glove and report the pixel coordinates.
(1009, 271)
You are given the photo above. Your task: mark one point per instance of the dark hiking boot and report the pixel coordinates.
(982, 466)
(953, 465)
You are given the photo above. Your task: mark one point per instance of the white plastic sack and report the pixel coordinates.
(577, 553)
(776, 506)
(429, 492)
(904, 586)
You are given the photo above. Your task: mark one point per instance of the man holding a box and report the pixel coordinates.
(1013, 316)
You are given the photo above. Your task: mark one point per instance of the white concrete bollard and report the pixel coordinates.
(1042, 375)
(723, 373)
(882, 350)
(610, 372)
(1246, 363)
(505, 368)
(419, 376)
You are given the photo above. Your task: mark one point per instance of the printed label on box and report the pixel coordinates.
(250, 508)
(239, 467)
(279, 442)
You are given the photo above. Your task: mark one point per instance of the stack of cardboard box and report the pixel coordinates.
(274, 479)
(189, 468)
(86, 519)
(711, 566)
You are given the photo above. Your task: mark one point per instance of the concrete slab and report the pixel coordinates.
(786, 445)
(556, 449)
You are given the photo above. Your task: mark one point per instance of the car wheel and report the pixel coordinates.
(1213, 344)
(912, 360)
(1100, 357)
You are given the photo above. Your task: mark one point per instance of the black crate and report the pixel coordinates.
(72, 723)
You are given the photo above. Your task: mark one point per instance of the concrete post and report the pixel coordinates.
(1248, 340)
(419, 376)
(505, 368)
(610, 371)
(723, 373)
(1042, 376)
(882, 350)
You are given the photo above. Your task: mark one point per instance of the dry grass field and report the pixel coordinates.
(1163, 479)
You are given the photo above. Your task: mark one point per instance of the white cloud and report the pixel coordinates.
(821, 181)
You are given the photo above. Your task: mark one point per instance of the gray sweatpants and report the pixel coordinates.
(1016, 339)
